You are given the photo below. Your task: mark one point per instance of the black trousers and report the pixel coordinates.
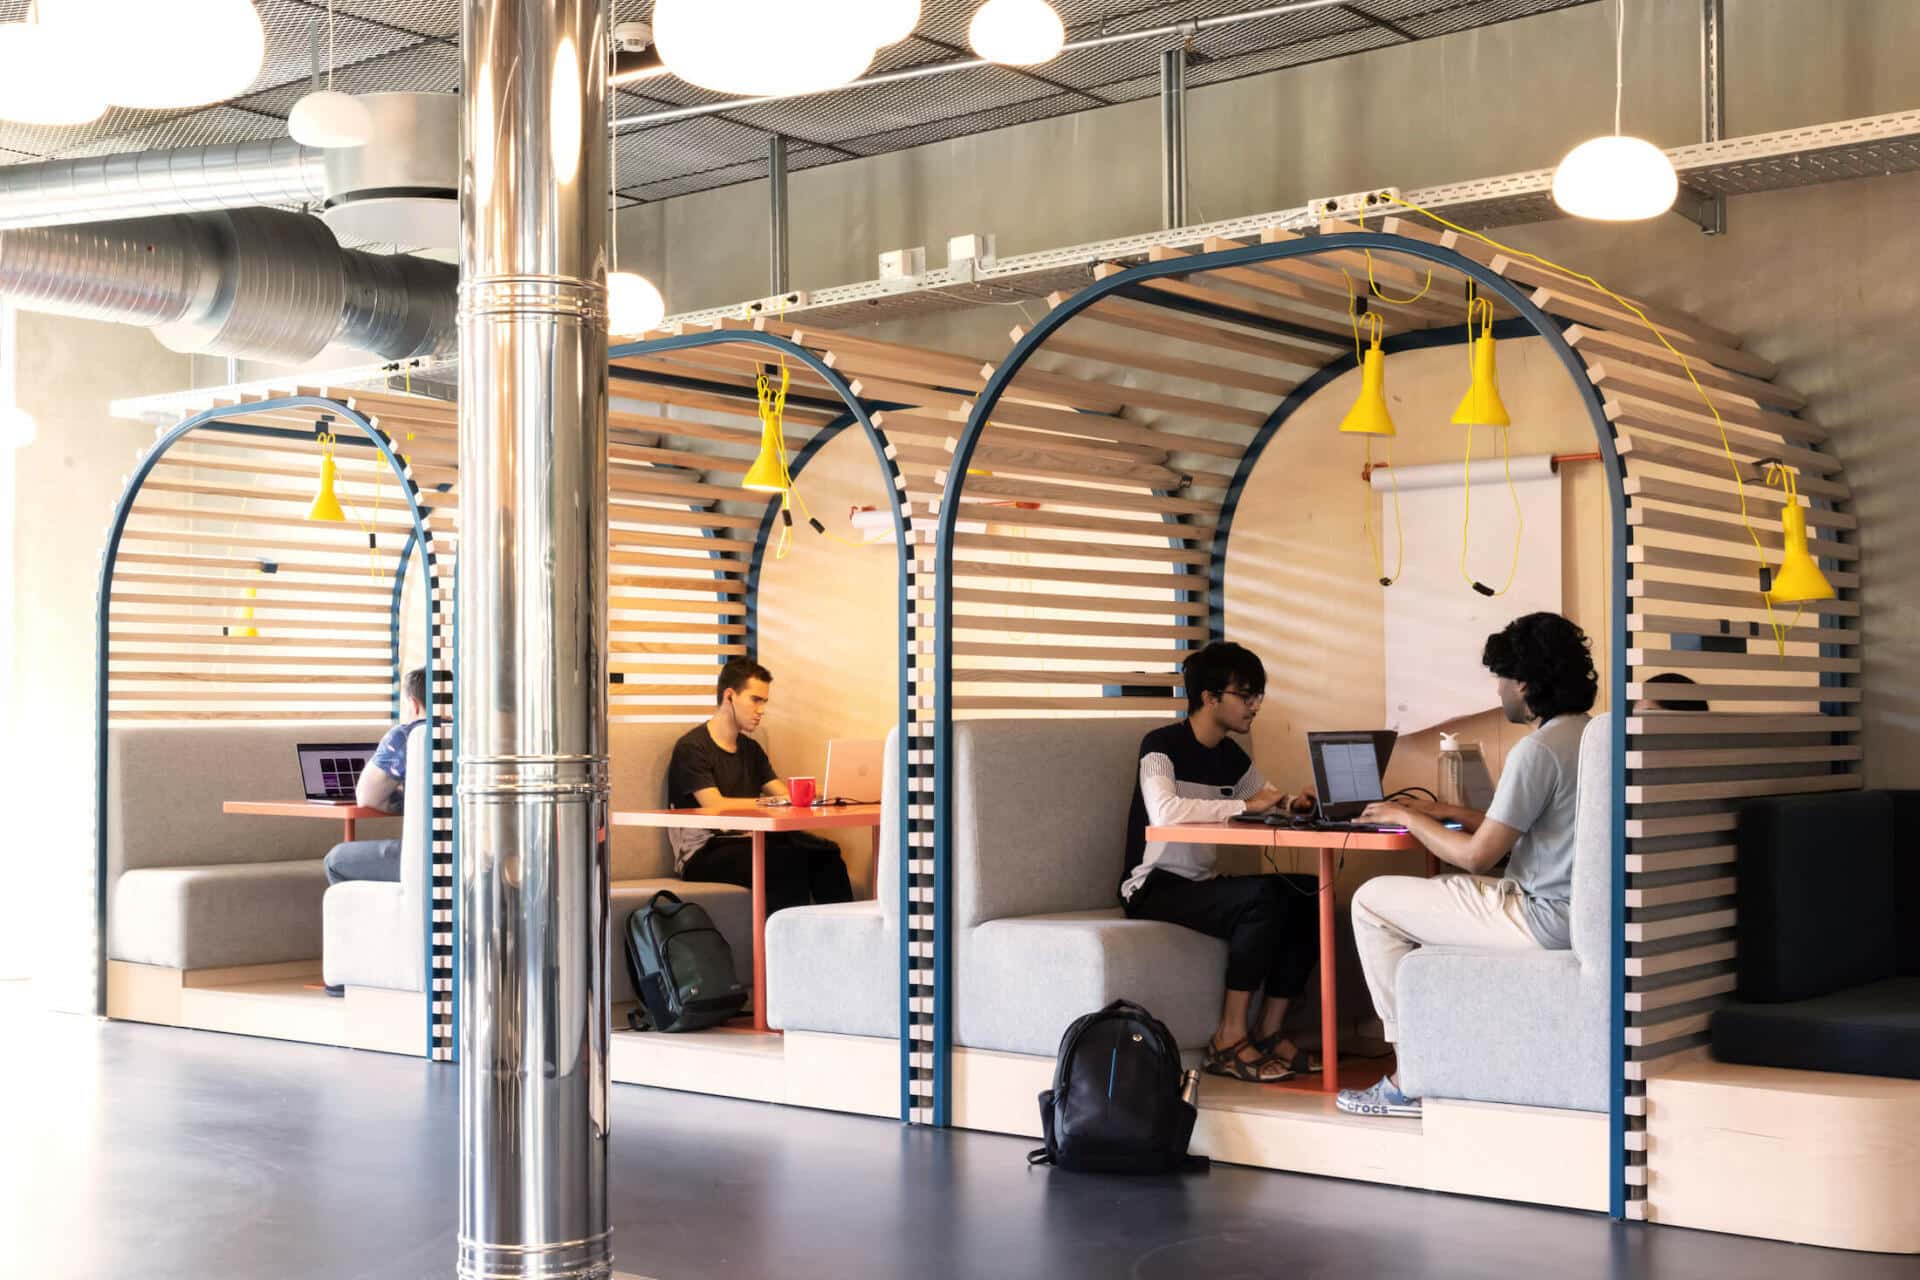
(1271, 923)
(801, 868)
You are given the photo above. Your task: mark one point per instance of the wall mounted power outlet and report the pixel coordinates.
(1374, 200)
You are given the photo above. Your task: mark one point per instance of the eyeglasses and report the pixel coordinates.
(1251, 699)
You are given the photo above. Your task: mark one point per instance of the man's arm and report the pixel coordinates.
(1476, 852)
(1166, 807)
(377, 789)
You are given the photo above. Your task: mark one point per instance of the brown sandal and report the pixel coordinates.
(1228, 1062)
(1301, 1061)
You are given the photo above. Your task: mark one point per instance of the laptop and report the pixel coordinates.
(1347, 769)
(331, 770)
(855, 770)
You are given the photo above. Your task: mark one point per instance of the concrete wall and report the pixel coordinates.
(66, 486)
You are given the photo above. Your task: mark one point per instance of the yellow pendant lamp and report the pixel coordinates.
(768, 474)
(246, 615)
(1369, 416)
(1482, 406)
(1798, 579)
(325, 505)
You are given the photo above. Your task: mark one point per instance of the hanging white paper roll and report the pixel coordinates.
(1486, 471)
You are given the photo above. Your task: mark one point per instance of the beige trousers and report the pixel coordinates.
(1394, 914)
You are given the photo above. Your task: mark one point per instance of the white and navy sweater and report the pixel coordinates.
(1182, 781)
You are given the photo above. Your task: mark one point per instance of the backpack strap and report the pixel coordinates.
(665, 895)
(1039, 1156)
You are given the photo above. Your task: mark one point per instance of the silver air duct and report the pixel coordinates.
(136, 184)
(256, 284)
(532, 640)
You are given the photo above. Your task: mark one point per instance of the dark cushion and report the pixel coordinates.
(1816, 895)
(1906, 878)
(1870, 1031)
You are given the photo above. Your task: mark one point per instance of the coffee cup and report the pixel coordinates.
(800, 790)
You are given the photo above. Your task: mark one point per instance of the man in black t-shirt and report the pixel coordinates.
(717, 761)
(1194, 772)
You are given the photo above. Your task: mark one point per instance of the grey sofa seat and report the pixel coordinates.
(835, 968)
(218, 916)
(1524, 1028)
(190, 887)
(1039, 829)
(374, 931)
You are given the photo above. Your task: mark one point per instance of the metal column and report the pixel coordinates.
(1713, 100)
(1173, 138)
(777, 202)
(532, 708)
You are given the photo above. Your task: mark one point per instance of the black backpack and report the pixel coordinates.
(681, 967)
(1116, 1104)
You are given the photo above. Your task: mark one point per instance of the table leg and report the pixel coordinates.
(876, 861)
(1329, 982)
(759, 930)
(349, 826)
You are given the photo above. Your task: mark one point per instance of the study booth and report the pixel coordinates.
(1065, 531)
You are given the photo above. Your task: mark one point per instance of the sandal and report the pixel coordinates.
(1228, 1062)
(1269, 1047)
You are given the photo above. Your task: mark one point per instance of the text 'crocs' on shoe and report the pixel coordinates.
(1383, 1099)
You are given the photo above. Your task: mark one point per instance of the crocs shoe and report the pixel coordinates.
(1381, 1100)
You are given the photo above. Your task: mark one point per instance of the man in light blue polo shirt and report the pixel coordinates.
(1544, 668)
(382, 786)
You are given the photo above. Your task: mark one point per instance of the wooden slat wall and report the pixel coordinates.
(1778, 725)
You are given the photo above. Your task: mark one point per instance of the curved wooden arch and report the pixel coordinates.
(1282, 303)
(259, 424)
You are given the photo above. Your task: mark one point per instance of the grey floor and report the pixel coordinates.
(154, 1153)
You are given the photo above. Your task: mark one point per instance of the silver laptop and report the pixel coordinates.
(856, 768)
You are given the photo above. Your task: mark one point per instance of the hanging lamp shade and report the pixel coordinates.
(43, 79)
(1482, 406)
(181, 53)
(767, 475)
(634, 305)
(246, 615)
(1615, 179)
(763, 48)
(1017, 33)
(1798, 580)
(330, 119)
(885, 22)
(325, 505)
(1369, 416)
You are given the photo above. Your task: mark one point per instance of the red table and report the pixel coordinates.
(1329, 844)
(757, 820)
(343, 813)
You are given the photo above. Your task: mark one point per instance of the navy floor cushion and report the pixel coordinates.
(1868, 1030)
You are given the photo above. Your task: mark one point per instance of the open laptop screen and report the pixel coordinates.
(1347, 769)
(331, 770)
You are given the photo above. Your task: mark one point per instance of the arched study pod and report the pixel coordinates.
(239, 620)
(1201, 337)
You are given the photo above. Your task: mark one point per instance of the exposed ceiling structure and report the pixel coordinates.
(385, 45)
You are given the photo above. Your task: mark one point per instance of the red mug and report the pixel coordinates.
(800, 791)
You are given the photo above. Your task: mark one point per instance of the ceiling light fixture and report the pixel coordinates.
(1616, 178)
(634, 305)
(886, 21)
(40, 77)
(184, 53)
(326, 118)
(770, 47)
(1017, 33)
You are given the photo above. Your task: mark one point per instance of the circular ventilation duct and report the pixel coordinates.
(403, 187)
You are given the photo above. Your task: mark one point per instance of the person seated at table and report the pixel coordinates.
(716, 762)
(1671, 683)
(382, 786)
(1194, 772)
(1543, 668)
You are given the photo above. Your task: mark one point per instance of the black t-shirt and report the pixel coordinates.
(699, 763)
(1192, 783)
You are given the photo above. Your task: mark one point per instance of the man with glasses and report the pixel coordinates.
(1194, 772)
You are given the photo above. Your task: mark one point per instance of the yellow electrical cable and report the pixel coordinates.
(1483, 307)
(1733, 464)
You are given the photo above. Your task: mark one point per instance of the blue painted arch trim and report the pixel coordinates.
(334, 414)
(1535, 321)
(857, 412)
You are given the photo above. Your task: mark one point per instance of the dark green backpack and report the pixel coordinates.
(681, 967)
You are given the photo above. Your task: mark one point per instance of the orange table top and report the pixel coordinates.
(749, 816)
(1247, 833)
(303, 809)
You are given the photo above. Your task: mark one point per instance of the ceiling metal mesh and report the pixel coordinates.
(385, 45)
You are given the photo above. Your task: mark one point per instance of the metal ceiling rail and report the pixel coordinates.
(1871, 146)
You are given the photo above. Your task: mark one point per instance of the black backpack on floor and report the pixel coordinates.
(681, 967)
(1116, 1105)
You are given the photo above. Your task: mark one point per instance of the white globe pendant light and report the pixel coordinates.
(1017, 33)
(762, 48)
(634, 306)
(329, 118)
(885, 22)
(158, 56)
(43, 78)
(1616, 178)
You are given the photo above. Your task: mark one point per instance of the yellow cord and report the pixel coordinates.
(1482, 308)
(1399, 527)
(1726, 446)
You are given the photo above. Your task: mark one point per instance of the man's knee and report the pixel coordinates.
(1372, 900)
(332, 864)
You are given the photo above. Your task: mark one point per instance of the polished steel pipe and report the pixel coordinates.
(531, 704)
(1173, 138)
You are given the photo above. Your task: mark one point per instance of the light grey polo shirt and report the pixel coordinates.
(1536, 796)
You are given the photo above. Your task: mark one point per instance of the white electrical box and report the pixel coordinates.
(1377, 200)
(904, 264)
(970, 248)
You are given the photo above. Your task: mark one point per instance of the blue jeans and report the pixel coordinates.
(364, 860)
